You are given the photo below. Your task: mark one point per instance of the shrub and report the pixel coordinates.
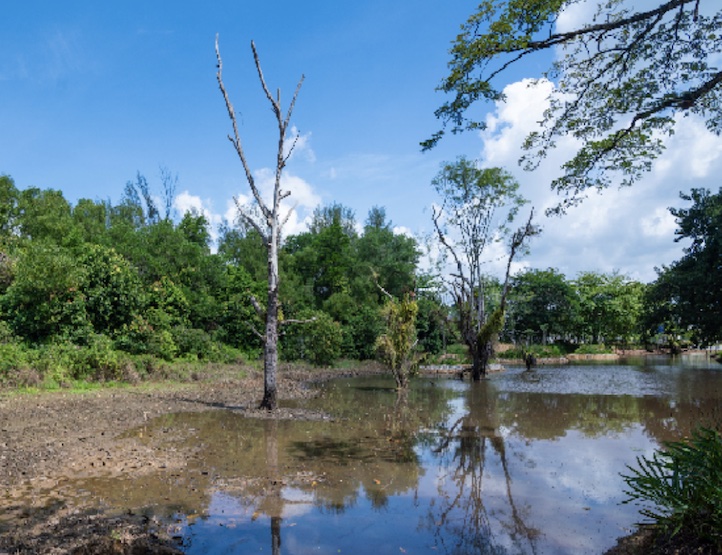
(142, 337)
(539, 351)
(97, 361)
(54, 362)
(13, 359)
(194, 342)
(683, 481)
(396, 347)
(46, 299)
(317, 341)
(591, 349)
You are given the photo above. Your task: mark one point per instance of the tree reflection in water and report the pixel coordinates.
(460, 518)
(273, 502)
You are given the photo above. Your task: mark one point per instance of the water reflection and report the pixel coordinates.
(459, 519)
(525, 462)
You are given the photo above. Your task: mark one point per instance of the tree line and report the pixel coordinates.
(96, 281)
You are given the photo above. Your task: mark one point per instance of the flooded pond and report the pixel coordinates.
(524, 462)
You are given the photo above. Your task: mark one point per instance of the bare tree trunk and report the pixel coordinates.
(270, 358)
(480, 360)
(270, 224)
(270, 353)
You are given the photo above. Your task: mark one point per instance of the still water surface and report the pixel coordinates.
(524, 462)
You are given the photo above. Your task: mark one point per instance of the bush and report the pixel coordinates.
(194, 343)
(591, 349)
(54, 362)
(97, 361)
(141, 337)
(539, 351)
(684, 483)
(317, 341)
(13, 359)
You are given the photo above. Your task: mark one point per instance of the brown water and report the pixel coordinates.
(520, 463)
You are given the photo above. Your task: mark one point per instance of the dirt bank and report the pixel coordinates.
(48, 440)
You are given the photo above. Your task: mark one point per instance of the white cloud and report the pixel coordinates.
(301, 202)
(691, 151)
(403, 230)
(301, 145)
(658, 224)
(185, 202)
(628, 229)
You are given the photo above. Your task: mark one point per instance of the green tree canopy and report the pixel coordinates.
(543, 303)
(688, 293)
(478, 208)
(389, 257)
(621, 79)
(610, 306)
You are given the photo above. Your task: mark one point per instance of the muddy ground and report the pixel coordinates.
(50, 440)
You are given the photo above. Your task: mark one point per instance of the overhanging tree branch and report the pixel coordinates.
(619, 80)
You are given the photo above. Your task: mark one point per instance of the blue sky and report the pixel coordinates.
(93, 92)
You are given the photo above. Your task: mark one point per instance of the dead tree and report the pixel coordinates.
(473, 200)
(270, 223)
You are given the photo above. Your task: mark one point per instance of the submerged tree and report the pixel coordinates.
(621, 79)
(270, 223)
(478, 207)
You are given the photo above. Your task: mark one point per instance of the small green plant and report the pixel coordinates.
(396, 348)
(683, 484)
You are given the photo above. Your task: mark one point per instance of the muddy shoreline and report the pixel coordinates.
(49, 441)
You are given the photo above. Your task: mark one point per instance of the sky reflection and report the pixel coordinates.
(511, 465)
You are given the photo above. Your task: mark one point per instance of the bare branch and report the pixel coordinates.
(375, 274)
(276, 106)
(516, 243)
(296, 321)
(288, 215)
(460, 268)
(257, 306)
(255, 332)
(250, 220)
(236, 138)
(293, 101)
(290, 150)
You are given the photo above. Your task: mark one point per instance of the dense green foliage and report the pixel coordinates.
(621, 79)
(683, 482)
(546, 307)
(687, 295)
(103, 291)
(87, 289)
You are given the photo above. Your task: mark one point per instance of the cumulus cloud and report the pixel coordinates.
(629, 229)
(186, 202)
(403, 230)
(301, 145)
(301, 203)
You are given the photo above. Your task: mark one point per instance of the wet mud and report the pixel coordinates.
(50, 443)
